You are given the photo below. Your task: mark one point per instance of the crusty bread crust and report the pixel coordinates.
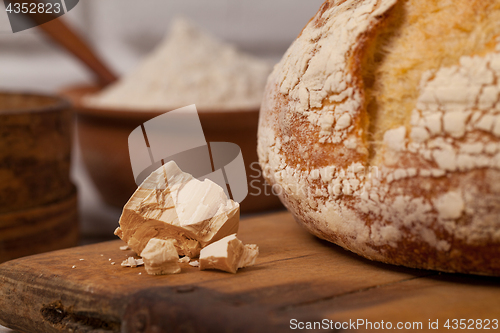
(431, 197)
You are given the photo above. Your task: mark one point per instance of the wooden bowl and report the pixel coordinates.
(103, 136)
(39, 229)
(38, 208)
(35, 150)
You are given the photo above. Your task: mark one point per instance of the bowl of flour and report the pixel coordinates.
(188, 67)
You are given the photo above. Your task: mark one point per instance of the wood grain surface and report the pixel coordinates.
(35, 151)
(40, 229)
(296, 276)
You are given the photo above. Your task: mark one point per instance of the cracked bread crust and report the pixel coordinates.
(418, 187)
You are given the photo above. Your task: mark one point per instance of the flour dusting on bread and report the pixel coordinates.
(414, 181)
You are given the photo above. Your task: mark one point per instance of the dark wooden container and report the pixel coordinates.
(35, 150)
(103, 136)
(37, 198)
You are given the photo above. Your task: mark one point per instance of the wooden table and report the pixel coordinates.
(297, 277)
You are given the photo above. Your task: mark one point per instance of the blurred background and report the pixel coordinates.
(122, 32)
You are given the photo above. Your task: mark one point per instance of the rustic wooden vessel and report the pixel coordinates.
(39, 229)
(37, 198)
(103, 136)
(35, 150)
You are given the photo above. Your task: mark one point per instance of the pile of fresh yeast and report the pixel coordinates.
(173, 214)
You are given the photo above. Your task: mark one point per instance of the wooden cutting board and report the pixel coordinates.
(296, 276)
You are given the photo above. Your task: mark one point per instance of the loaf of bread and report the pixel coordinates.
(380, 130)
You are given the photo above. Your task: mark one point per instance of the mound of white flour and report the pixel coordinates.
(189, 67)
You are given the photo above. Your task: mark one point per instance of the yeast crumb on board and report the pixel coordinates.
(228, 254)
(132, 262)
(160, 257)
(184, 259)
